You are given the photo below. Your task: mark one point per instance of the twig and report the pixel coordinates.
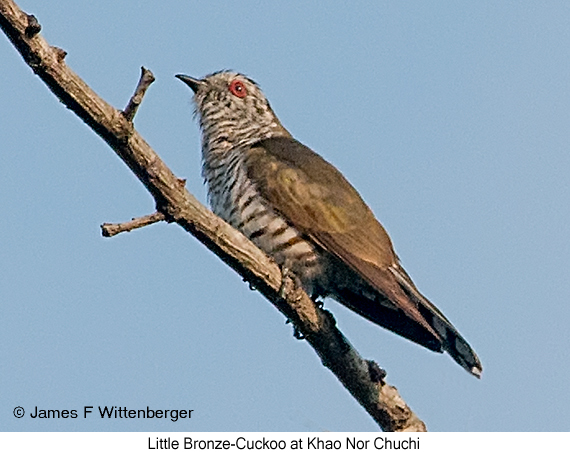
(147, 77)
(382, 401)
(111, 229)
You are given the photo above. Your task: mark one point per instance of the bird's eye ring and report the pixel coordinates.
(237, 88)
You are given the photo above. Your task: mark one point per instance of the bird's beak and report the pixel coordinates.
(192, 82)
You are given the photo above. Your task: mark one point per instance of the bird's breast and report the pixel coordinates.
(236, 200)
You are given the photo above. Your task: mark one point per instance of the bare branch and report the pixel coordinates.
(111, 229)
(364, 381)
(147, 77)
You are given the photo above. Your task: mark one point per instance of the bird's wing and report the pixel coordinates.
(321, 203)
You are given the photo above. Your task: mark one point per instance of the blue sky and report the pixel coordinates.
(450, 118)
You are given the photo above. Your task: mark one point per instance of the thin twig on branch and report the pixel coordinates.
(364, 379)
(147, 77)
(111, 229)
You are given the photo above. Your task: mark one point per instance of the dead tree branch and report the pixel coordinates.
(364, 379)
(110, 229)
(145, 81)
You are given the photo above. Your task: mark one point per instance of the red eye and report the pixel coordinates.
(237, 88)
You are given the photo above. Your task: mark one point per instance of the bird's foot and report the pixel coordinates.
(284, 274)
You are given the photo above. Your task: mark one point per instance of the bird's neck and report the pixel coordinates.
(219, 146)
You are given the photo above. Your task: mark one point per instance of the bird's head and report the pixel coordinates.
(232, 109)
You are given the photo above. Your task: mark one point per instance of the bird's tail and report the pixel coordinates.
(430, 328)
(450, 339)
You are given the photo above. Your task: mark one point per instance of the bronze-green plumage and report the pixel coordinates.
(302, 212)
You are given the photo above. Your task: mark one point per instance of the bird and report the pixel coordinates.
(302, 212)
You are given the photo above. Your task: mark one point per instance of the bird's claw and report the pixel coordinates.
(283, 287)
